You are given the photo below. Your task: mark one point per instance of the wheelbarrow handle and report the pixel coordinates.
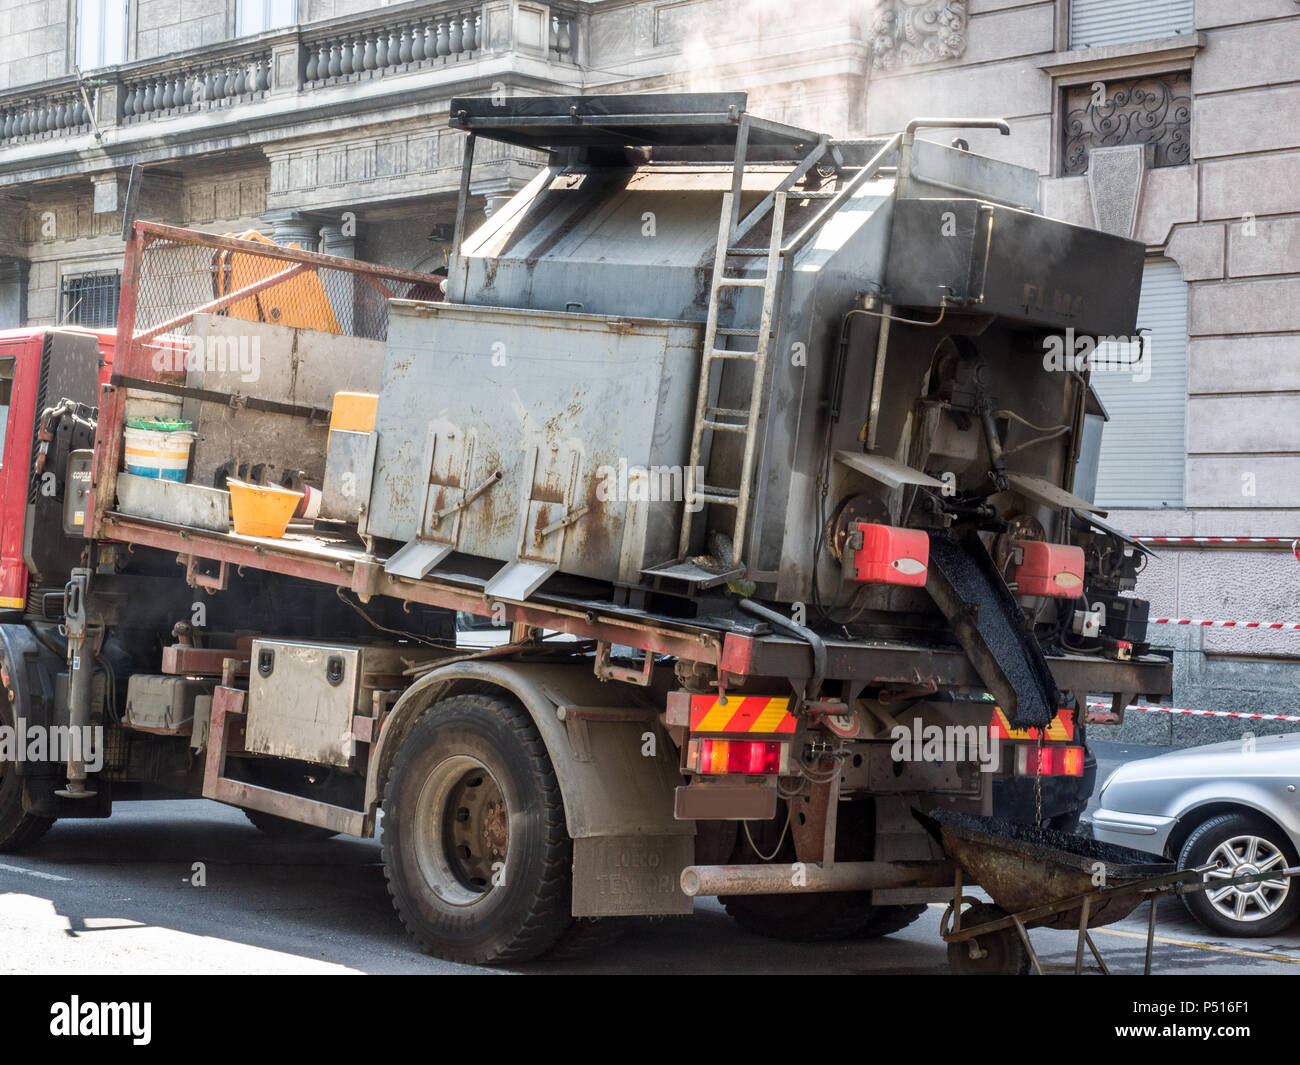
(1246, 878)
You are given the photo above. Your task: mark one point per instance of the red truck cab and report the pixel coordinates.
(38, 366)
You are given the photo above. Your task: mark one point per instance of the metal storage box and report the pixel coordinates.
(517, 435)
(163, 704)
(302, 695)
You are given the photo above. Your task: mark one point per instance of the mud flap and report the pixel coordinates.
(988, 623)
(631, 876)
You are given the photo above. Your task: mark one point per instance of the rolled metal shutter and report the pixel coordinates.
(1143, 446)
(1097, 22)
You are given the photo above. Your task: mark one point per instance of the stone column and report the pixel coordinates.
(343, 290)
(13, 291)
(110, 191)
(294, 227)
(339, 239)
(494, 201)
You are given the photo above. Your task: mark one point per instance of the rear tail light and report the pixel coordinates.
(752, 757)
(1049, 761)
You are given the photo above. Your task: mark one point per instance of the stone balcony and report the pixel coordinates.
(391, 69)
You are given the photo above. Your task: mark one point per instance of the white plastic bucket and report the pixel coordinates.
(154, 453)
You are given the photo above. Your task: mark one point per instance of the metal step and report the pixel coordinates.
(681, 569)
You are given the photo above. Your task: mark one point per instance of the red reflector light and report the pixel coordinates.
(890, 555)
(753, 757)
(1048, 569)
(1049, 761)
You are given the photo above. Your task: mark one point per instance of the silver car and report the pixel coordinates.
(1232, 804)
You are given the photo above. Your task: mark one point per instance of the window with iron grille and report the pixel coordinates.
(90, 299)
(1149, 110)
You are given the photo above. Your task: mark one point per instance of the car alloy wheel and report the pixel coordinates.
(1245, 856)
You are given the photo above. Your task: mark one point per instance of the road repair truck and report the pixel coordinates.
(760, 420)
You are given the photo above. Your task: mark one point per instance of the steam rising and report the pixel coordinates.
(720, 43)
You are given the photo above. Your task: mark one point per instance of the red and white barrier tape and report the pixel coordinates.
(1202, 713)
(1295, 543)
(1214, 539)
(1212, 623)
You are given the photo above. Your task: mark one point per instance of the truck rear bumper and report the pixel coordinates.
(885, 662)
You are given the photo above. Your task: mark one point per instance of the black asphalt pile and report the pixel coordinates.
(968, 569)
(1047, 840)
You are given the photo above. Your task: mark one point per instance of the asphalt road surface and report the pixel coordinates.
(118, 896)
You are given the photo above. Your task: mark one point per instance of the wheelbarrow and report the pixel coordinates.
(1041, 878)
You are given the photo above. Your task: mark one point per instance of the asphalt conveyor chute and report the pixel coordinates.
(990, 626)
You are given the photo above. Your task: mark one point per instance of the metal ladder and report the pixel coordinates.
(741, 420)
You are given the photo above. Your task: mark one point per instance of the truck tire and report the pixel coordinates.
(817, 917)
(886, 920)
(1240, 844)
(477, 857)
(18, 829)
(587, 936)
(284, 828)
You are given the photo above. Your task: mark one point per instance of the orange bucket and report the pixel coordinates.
(261, 509)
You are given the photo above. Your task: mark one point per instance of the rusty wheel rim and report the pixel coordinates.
(462, 831)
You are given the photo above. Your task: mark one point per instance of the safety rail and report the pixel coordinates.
(171, 275)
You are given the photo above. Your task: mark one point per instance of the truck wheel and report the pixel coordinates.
(586, 936)
(283, 828)
(1239, 845)
(18, 829)
(886, 920)
(1000, 953)
(817, 916)
(820, 916)
(475, 849)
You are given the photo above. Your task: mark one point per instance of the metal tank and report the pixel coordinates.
(568, 346)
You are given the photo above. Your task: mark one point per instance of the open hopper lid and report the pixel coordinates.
(651, 119)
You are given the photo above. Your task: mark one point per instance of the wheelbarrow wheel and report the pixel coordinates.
(1001, 953)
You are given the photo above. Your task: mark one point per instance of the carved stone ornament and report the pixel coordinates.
(909, 32)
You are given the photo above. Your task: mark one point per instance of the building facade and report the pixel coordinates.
(323, 122)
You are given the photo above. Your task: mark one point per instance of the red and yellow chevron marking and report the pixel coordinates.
(1061, 727)
(741, 713)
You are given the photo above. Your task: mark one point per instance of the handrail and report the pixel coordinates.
(867, 172)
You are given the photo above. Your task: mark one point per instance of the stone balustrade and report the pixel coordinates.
(55, 115)
(210, 84)
(396, 40)
(446, 36)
